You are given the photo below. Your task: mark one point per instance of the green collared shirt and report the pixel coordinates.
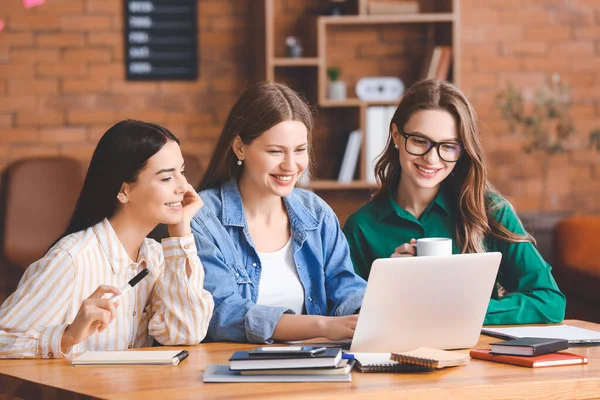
(380, 226)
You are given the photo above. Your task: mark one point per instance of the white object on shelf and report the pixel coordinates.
(379, 88)
(350, 157)
(377, 133)
(388, 7)
(336, 90)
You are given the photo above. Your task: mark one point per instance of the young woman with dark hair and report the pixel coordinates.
(134, 182)
(434, 183)
(277, 263)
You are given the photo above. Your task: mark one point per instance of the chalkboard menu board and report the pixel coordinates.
(161, 39)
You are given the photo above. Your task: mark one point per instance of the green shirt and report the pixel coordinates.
(380, 226)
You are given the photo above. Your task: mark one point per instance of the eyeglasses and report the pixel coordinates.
(418, 145)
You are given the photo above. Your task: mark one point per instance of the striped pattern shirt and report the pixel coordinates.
(166, 305)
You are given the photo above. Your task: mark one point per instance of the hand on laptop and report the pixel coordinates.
(406, 250)
(339, 328)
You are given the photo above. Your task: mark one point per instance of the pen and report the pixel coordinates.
(134, 281)
(182, 355)
(347, 356)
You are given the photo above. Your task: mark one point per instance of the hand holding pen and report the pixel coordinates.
(96, 313)
(129, 285)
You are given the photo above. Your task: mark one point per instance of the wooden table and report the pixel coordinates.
(479, 380)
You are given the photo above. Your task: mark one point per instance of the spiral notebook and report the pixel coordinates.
(381, 362)
(431, 358)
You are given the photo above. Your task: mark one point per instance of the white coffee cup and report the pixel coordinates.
(434, 247)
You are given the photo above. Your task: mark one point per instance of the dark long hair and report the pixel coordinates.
(121, 154)
(259, 108)
(469, 179)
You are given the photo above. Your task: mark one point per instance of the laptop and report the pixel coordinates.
(437, 301)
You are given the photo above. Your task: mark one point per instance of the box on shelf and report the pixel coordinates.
(390, 7)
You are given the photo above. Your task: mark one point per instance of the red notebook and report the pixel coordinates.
(546, 360)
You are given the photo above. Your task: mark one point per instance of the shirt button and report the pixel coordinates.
(51, 355)
(310, 299)
(236, 274)
(297, 266)
(187, 246)
(130, 346)
(134, 313)
(254, 264)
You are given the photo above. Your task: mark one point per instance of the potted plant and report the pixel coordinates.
(336, 89)
(541, 117)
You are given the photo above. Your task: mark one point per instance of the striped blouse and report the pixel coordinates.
(166, 305)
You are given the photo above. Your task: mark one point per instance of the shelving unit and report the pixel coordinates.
(296, 62)
(362, 45)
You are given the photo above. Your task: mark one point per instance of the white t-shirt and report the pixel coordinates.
(280, 285)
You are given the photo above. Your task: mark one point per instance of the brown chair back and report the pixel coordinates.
(39, 197)
(194, 169)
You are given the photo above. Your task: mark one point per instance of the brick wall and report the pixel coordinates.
(62, 78)
(62, 84)
(526, 41)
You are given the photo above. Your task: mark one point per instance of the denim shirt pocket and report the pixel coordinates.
(240, 274)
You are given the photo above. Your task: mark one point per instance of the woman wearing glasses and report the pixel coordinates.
(434, 184)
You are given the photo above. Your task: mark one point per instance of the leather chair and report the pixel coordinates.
(577, 265)
(38, 198)
(194, 168)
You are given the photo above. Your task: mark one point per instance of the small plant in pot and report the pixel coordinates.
(336, 89)
(542, 117)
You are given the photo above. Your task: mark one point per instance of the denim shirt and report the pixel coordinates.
(233, 268)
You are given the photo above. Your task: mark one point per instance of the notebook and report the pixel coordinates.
(330, 358)
(222, 373)
(529, 346)
(150, 357)
(575, 336)
(343, 368)
(546, 360)
(431, 358)
(381, 362)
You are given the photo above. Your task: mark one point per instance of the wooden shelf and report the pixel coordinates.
(356, 103)
(296, 62)
(335, 185)
(363, 45)
(387, 19)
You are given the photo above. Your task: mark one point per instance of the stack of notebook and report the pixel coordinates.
(531, 352)
(423, 359)
(326, 366)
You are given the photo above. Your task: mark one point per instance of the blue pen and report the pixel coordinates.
(347, 356)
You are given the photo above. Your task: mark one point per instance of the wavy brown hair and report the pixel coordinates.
(259, 108)
(469, 179)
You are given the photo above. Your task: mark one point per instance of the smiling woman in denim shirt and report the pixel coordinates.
(276, 261)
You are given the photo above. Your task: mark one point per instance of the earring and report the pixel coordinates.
(121, 197)
(239, 162)
(396, 146)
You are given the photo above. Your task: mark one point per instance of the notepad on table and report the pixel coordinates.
(529, 346)
(381, 362)
(150, 357)
(222, 373)
(575, 335)
(546, 360)
(241, 360)
(343, 368)
(431, 358)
